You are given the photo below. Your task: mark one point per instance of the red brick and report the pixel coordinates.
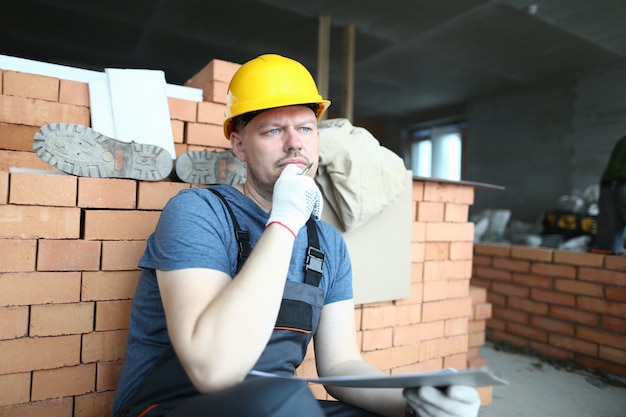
(184, 110)
(61, 407)
(527, 332)
(101, 285)
(510, 289)
(215, 70)
(578, 258)
(448, 269)
(531, 280)
(510, 315)
(499, 336)
(121, 254)
(531, 254)
(443, 347)
(606, 366)
(94, 404)
(406, 335)
(574, 315)
(68, 255)
(452, 232)
(430, 330)
(529, 306)
(456, 213)
(573, 344)
(206, 135)
(377, 339)
(377, 317)
(212, 113)
(120, 225)
(17, 255)
(25, 222)
(215, 91)
(26, 160)
(112, 315)
(386, 359)
(61, 319)
(479, 260)
(28, 288)
(29, 354)
(35, 112)
(434, 251)
(456, 326)
(154, 195)
(481, 311)
(461, 251)
(74, 92)
(604, 276)
(417, 252)
(577, 287)
(552, 326)
(552, 297)
(104, 346)
(617, 263)
(14, 389)
(43, 189)
(478, 294)
(418, 232)
(612, 354)
(558, 270)
(4, 187)
(63, 382)
(616, 293)
(598, 305)
(108, 374)
(494, 249)
(17, 137)
(14, 323)
(446, 309)
(449, 193)
(601, 337)
(511, 265)
(178, 133)
(430, 211)
(31, 85)
(109, 193)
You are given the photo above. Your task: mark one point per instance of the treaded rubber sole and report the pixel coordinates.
(210, 167)
(81, 151)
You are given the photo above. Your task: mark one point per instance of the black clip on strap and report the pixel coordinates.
(242, 236)
(314, 263)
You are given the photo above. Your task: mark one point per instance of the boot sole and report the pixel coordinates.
(208, 168)
(81, 151)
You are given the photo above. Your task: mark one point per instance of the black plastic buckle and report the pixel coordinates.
(315, 260)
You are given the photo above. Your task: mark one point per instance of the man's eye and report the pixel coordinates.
(272, 131)
(306, 129)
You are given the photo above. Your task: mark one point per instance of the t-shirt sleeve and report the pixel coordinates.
(192, 232)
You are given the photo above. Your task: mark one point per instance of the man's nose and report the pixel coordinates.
(292, 139)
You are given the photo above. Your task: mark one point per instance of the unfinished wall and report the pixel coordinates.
(561, 304)
(544, 143)
(69, 249)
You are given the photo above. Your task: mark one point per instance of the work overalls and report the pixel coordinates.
(166, 385)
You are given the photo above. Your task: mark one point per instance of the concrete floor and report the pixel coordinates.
(538, 389)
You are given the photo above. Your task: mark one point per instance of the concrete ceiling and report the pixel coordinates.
(411, 56)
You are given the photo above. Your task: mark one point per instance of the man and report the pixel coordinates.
(240, 278)
(612, 203)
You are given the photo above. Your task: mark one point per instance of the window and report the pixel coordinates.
(437, 151)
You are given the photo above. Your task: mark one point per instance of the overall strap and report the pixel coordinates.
(242, 236)
(314, 262)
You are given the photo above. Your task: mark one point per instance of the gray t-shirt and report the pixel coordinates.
(195, 231)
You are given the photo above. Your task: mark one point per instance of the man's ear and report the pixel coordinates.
(237, 145)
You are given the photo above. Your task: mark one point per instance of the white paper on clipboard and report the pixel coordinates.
(471, 377)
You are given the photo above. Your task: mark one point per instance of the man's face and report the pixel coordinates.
(276, 138)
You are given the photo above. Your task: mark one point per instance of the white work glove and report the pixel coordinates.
(453, 401)
(296, 197)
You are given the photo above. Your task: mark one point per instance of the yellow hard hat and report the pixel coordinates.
(270, 81)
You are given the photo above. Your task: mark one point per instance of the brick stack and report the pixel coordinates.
(69, 249)
(561, 304)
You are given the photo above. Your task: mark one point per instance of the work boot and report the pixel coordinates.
(81, 151)
(210, 167)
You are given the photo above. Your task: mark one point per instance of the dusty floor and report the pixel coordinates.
(539, 389)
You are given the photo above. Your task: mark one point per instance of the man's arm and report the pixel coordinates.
(337, 354)
(219, 326)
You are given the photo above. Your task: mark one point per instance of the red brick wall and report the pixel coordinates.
(69, 249)
(562, 304)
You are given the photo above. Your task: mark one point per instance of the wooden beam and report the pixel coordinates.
(348, 72)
